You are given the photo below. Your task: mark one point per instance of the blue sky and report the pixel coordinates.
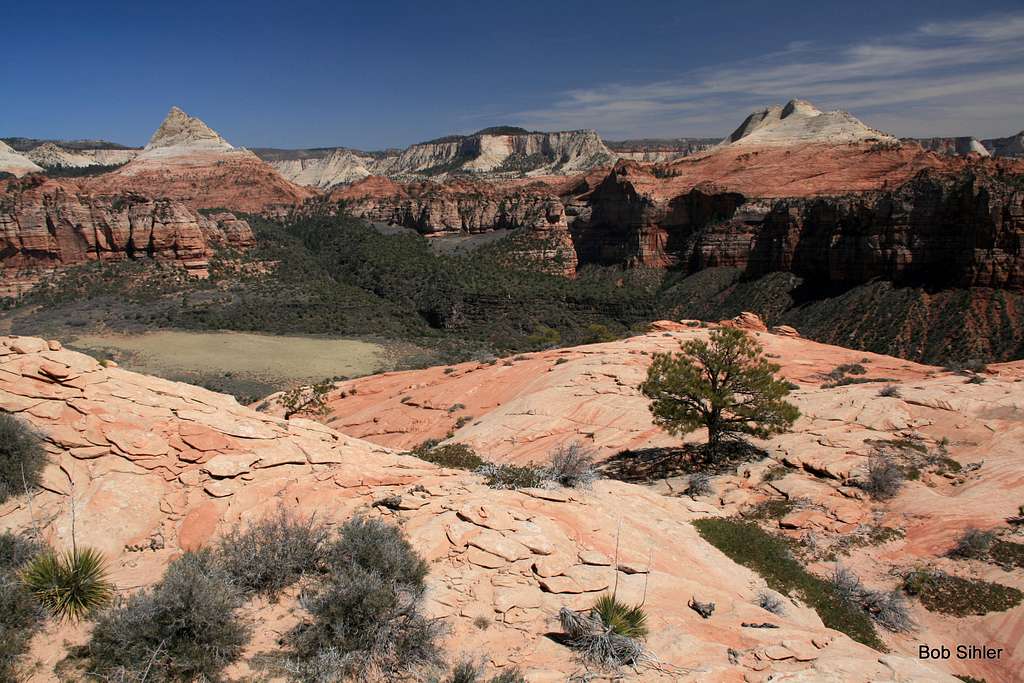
(373, 75)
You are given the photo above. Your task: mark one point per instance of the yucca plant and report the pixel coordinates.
(625, 620)
(69, 586)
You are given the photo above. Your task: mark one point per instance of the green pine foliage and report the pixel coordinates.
(724, 384)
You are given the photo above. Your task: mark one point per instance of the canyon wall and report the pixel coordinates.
(46, 224)
(950, 230)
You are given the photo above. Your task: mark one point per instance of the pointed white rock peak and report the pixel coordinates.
(800, 122)
(180, 131)
(14, 163)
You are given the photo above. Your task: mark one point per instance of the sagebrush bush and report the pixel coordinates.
(70, 585)
(889, 391)
(699, 485)
(770, 602)
(185, 628)
(973, 544)
(513, 476)
(846, 585)
(16, 550)
(22, 457)
(453, 455)
(884, 478)
(378, 547)
(272, 553)
(363, 626)
(365, 620)
(20, 613)
(572, 465)
(888, 608)
(468, 671)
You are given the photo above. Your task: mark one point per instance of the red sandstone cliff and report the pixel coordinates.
(46, 224)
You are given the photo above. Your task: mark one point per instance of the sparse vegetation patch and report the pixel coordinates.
(747, 544)
(948, 594)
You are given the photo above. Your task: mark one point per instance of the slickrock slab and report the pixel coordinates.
(497, 544)
(484, 547)
(227, 466)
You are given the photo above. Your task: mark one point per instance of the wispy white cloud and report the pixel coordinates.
(944, 78)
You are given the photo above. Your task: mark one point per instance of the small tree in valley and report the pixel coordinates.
(724, 384)
(308, 400)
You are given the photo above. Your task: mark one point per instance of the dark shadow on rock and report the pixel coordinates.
(652, 464)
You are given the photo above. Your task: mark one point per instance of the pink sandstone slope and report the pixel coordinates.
(521, 408)
(154, 467)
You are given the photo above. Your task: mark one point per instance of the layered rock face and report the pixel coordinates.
(156, 467)
(498, 153)
(655, 150)
(45, 224)
(468, 206)
(189, 162)
(951, 230)
(14, 163)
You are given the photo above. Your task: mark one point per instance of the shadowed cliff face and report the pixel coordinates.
(938, 229)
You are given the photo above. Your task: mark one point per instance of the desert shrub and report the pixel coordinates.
(16, 550)
(457, 456)
(468, 671)
(889, 391)
(884, 478)
(888, 608)
(463, 421)
(20, 617)
(365, 619)
(21, 456)
(20, 613)
(941, 592)
(973, 544)
(512, 476)
(597, 642)
(770, 602)
(378, 547)
(1008, 553)
(513, 675)
(272, 553)
(70, 585)
(184, 629)
(748, 544)
(773, 508)
(456, 407)
(309, 400)
(848, 369)
(846, 585)
(572, 465)
(699, 485)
